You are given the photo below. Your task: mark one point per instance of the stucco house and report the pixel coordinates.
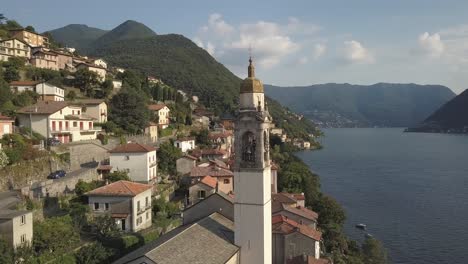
(151, 130)
(185, 164)
(223, 176)
(100, 71)
(185, 144)
(58, 119)
(6, 125)
(202, 189)
(14, 47)
(64, 60)
(44, 59)
(222, 140)
(128, 203)
(209, 241)
(32, 38)
(161, 112)
(137, 159)
(95, 108)
(46, 91)
(16, 227)
(291, 238)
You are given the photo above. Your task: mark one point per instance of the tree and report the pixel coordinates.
(117, 176)
(373, 252)
(55, 235)
(86, 80)
(167, 157)
(330, 212)
(94, 253)
(129, 111)
(71, 95)
(2, 19)
(6, 252)
(106, 87)
(11, 74)
(30, 28)
(201, 137)
(3, 159)
(105, 226)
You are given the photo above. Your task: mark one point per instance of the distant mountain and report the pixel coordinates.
(76, 35)
(451, 117)
(129, 29)
(346, 105)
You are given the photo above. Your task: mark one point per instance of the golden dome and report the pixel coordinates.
(251, 84)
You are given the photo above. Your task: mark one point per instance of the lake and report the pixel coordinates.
(411, 189)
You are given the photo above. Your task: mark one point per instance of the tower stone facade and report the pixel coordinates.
(252, 174)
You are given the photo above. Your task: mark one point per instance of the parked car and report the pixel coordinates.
(53, 142)
(57, 174)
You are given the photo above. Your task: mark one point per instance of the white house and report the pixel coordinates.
(117, 84)
(47, 91)
(185, 144)
(161, 111)
(128, 203)
(100, 62)
(137, 159)
(95, 108)
(100, 71)
(61, 120)
(16, 227)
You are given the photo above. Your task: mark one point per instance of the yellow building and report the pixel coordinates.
(14, 48)
(32, 38)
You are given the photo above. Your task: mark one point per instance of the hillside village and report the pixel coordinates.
(104, 164)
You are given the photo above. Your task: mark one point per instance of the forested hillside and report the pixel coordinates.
(381, 104)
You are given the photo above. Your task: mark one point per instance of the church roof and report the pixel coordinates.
(208, 241)
(251, 84)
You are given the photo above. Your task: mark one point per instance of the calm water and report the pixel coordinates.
(410, 189)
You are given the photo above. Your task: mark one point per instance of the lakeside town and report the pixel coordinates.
(90, 173)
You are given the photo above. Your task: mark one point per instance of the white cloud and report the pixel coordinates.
(218, 26)
(295, 26)
(303, 60)
(431, 45)
(355, 52)
(270, 42)
(319, 50)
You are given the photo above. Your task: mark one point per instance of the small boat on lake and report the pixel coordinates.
(361, 226)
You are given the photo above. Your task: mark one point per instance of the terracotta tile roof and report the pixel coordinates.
(284, 225)
(217, 135)
(282, 198)
(132, 148)
(204, 152)
(209, 181)
(24, 83)
(41, 107)
(307, 260)
(210, 171)
(6, 118)
(120, 188)
(156, 107)
(190, 157)
(301, 211)
(295, 196)
(46, 52)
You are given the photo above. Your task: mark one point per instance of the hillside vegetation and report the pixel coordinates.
(451, 117)
(76, 35)
(381, 104)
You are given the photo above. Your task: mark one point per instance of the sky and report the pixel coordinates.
(295, 42)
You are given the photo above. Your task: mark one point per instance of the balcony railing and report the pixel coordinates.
(74, 129)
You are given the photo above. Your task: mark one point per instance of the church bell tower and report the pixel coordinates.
(252, 175)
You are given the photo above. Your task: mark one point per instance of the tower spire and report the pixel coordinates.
(251, 69)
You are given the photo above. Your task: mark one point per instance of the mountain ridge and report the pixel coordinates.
(349, 105)
(451, 117)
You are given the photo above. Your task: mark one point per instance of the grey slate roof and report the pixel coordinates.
(207, 241)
